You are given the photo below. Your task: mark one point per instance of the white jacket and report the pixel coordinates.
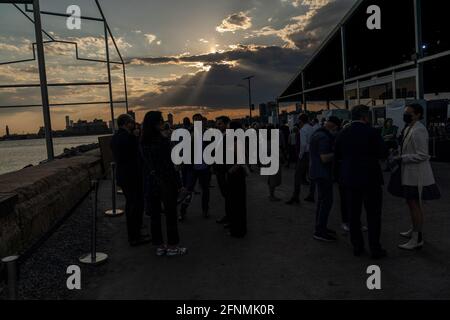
(416, 167)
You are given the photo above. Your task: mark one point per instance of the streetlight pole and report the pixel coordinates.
(250, 105)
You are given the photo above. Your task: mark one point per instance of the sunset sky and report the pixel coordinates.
(182, 56)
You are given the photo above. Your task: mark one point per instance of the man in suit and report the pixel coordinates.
(359, 149)
(125, 148)
(222, 123)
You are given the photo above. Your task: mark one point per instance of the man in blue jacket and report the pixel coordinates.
(321, 172)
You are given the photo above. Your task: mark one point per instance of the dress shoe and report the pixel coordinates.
(222, 220)
(358, 252)
(378, 254)
(140, 241)
(293, 201)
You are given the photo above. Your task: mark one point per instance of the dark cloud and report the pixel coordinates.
(221, 86)
(320, 24)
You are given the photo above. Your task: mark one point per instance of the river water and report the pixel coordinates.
(14, 155)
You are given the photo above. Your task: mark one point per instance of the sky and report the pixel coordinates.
(182, 56)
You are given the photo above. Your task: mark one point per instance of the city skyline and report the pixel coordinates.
(178, 60)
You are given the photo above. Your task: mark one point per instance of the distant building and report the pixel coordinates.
(263, 114)
(268, 112)
(110, 124)
(68, 122)
(79, 128)
(83, 127)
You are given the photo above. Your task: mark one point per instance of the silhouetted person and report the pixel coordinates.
(359, 148)
(164, 183)
(302, 166)
(220, 170)
(321, 172)
(236, 195)
(125, 148)
(418, 182)
(194, 173)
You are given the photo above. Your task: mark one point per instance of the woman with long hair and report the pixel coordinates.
(418, 181)
(162, 184)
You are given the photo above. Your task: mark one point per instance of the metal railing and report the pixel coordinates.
(38, 54)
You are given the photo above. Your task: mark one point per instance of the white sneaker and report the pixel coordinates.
(407, 234)
(178, 251)
(415, 243)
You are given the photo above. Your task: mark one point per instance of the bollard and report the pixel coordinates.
(12, 270)
(94, 257)
(114, 212)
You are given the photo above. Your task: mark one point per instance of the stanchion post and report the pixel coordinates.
(114, 212)
(94, 257)
(12, 269)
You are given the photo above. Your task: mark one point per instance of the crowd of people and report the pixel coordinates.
(151, 183)
(348, 154)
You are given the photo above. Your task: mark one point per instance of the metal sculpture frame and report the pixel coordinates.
(38, 54)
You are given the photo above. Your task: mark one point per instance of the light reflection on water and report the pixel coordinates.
(14, 155)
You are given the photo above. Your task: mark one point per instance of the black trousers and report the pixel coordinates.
(372, 200)
(168, 197)
(344, 206)
(134, 207)
(204, 179)
(222, 182)
(324, 204)
(301, 173)
(236, 203)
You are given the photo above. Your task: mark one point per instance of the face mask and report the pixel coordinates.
(407, 117)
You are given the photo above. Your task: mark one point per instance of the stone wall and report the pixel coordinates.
(34, 199)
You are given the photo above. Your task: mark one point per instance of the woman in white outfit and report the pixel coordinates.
(417, 176)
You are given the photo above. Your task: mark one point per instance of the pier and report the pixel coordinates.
(278, 260)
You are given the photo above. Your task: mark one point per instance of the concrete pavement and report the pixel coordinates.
(277, 260)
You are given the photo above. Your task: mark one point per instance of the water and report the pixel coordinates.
(14, 155)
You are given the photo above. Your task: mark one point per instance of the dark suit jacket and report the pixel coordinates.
(125, 149)
(359, 149)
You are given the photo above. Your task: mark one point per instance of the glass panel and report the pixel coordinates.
(378, 92)
(406, 88)
(372, 50)
(351, 94)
